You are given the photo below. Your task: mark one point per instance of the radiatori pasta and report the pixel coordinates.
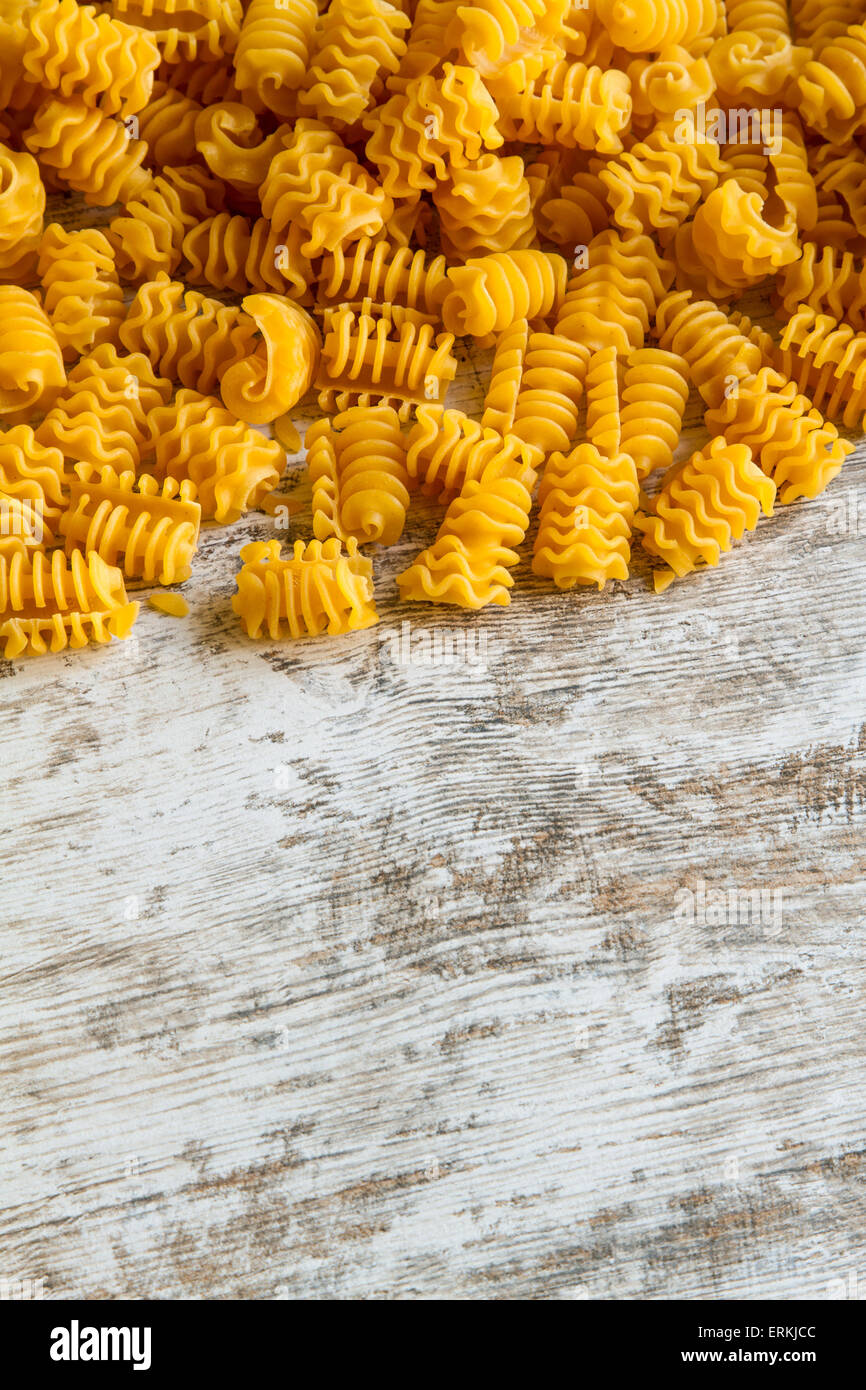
(327, 206)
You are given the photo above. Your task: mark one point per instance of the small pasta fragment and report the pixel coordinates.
(82, 294)
(320, 589)
(357, 466)
(717, 495)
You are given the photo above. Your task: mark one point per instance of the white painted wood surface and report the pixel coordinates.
(328, 975)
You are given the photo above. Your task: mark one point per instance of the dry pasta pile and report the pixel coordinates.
(586, 188)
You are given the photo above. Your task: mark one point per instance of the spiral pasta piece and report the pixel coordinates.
(490, 292)
(587, 504)
(736, 244)
(603, 428)
(439, 123)
(186, 29)
(470, 561)
(79, 52)
(357, 466)
(319, 183)
(150, 532)
(828, 360)
(612, 301)
(492, 32)
(485, 207)
(569, 104)
(358, 44)
(266, 384)
(645, 26)
(386, 274)
(148, 237)
(229, 139)
(818, 21)
(32, 481)
(31, 363)
(654, 396)
(48, 603)
(232, 466)
(550, 388)
(390, 359)
(446, 448)
(713, 347)
(22, 205)
(82, 295)
(713, 500)
(229, 252)
(273, 52)
(791, 441)
(674, 82)
(832, 87)
(828, 281)
(319, 589)
(88, 151)
(167, 126)
(101, 417)
(656, 184)
(570, 206)
(188, 337)
(506, 376)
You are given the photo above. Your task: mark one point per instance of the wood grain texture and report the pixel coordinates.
(329, 975)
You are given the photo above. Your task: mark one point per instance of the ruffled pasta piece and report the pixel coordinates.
(14, 89)
(167, 126)
(587, 504)
(490, 292)
(506, 376)
(229, 252)
(32, 481)
(612, 301)
(674, 82)
(446, 448)
(551, 385)
(389, 359)
(186, 29)
(570, 204)
(205, 82)
(79, 52)
(470, 561)
(844, 174)
(430, 42)
(757, 67)
(818, 21)
(385, 274)
(273, 53)
(319, 589)
(791, 441)
(82, 295)
(603, 428)
(48, 603)
(148, 237)
(101, 418)
(22, 206)
(485, 207)
(827, 281)
(569, 104)
(492, 33)
(317, 182)
(149, 531)
(88, 151)
(827, 359)
(357, 466)
(646, 26)
(832, 87)
(439, 123)
(735, 242)
(358, 44)
(656, 184)
(229, 139)
(270, 381)
(718, 495)
(31, 363)
(187, 337)
(654, 396)
(794, 183)
(715, 350)
(232, 466)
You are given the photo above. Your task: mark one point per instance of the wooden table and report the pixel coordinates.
(332, 974)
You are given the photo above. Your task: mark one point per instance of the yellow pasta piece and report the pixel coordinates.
(357, 44)
(167, 126)
(718, 495)
(386, 274)
(186, 29)
(587, 506)
(735, 242)
(31, 363)
(713, 347)
(611, 302)
(656, 184)
(320, 589)
(357, 466)
(232, 466)
(654, 396)
(188, 337)
(88, 151)
(832, 87)
(273, 52)
(603, 429)
(32, 481)
(445, 448)
(82, 294)
(490, 292)
(569, 104)
(827, 281)
(48, 603)
(150, 531)
(390, 359)
(22, 205)
(487, 206)
(172, 604)
(266, 384)
(80, 52)
(101, 417)
(148, 238)
(645, 26)
(229, 252)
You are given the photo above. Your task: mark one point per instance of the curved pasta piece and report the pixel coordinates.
(229, 252)
(186, 29)
(587, 505)
(32, 482)
(357, 466)
(656, 184)
(736, 244)
(390, 359)
(31, 363)
(445, 448)
(490, 292)
(188, 337)
(654, 396)
(828, 281)
(319, 589)
(358, 43)
(101, 417)
(603, 428)
(832, 87)
(265, 385)
(485, 207)
(22, 206)
(148, 238)
(571, 105)
(48, 603)
(80, 52)
(713, 500)
(612, 301)
(232, 466)
(82, 294)
(149, 531)
(167, 126)
(273, 53)
(383, 273)
(551, 385)
(711, 344)
(645, 26)
(88, 151)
